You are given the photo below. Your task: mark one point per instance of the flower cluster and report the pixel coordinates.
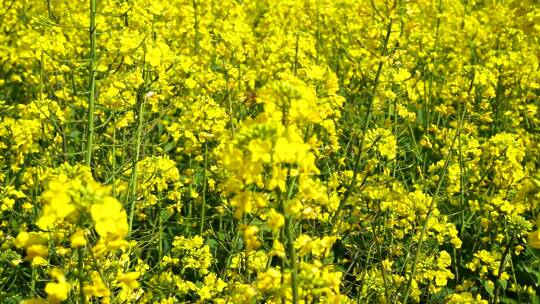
(302, 151)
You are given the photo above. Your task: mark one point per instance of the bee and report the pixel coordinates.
(251, 98)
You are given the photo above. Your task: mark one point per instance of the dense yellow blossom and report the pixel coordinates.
(269, 151)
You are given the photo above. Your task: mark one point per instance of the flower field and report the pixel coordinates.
(269, 151)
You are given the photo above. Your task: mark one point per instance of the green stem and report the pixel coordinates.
(80, 267)
(232, 252)
(229, 99)
(501, 269)
(203, 207)
(381, 264)
(90, 128)
(49, 9)
(160, 229)
(91, 96)
(134, 172)
(33, 282)
(431, 207)
(291, 253)
(113, 158)
(364, 130)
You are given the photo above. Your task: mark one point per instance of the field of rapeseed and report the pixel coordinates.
(269, 151)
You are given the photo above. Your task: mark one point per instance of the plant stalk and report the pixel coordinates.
(91, 96)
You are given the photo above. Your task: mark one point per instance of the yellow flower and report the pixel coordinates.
(57, 205)
(260, 150)
(277, 249)
(271, 279)
(533, 239)
(275, 220)
(39, 261)
(250, 237)
(303, 244)
(78, 239)
(110, 221)
(57, 291)
(278, 180)
(97, 288)
(129, 279)
(34, 244)
(25, 239)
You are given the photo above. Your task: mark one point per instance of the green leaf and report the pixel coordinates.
(488, 288)
(508, 300)
(503, 283)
